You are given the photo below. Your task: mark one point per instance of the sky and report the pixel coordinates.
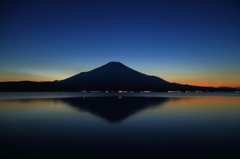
(194, 42)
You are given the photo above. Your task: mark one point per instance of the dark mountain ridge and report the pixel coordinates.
(113, 76)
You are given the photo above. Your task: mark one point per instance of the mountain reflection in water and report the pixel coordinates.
(61, 126)
(114, 109)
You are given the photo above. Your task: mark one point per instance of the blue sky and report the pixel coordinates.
(191, 42)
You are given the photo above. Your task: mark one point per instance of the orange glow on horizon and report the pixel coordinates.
(211, 85)
(208, 82)
(194, 81)
(33, 79)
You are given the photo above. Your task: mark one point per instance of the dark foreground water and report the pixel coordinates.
(117, 125)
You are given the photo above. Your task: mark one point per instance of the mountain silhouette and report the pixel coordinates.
(113, 72)
(114, 109)
(113, 76)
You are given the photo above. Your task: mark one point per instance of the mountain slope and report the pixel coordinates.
(113, 75)
(112, 71)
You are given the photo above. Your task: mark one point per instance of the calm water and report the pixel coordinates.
(168, 125)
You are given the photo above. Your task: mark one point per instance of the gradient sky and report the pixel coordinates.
(193, 42)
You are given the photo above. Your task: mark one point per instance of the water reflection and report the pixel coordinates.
(166, 127)
(114, 109)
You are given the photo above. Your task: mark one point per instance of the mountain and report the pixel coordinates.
(113, 72)
(113, 76)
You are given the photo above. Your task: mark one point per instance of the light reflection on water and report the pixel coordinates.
(137, 126)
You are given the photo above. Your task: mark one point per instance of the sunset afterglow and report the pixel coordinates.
(187, 42)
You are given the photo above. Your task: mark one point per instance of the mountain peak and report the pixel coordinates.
(115, 63)
(112, 66)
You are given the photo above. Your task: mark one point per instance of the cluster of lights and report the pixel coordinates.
(185, 91)
(125, 91)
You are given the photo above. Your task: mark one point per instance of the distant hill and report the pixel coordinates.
(113, 76)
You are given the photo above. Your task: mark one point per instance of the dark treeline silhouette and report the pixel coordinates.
(114, 76)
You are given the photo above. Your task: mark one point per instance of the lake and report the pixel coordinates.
(117, 125)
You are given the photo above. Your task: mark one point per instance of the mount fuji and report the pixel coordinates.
(113, 76)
